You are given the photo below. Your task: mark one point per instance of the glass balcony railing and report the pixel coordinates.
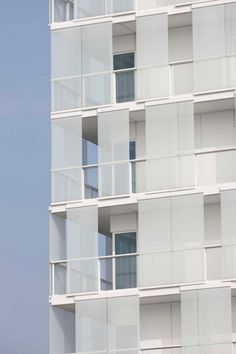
(104, 273)
(208, 167)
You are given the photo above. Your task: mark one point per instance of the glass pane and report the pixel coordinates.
(132, 150)
(228, 216)
(123, 321)
(152, 82)
(124, 86)
(67, 142)
(82, 232)
(125, 243)
(154, 225)
(230, 28)
(60, 272)
(66, 52)
(126, 272)
(91, 326)
(214, 311)
(91, 182)
(90, 152)
(62, 331)
(183, 78)
(59, 10)
(97, 89)
(123, 61)
(97, 55)
(106, 274)
(154, 269)
(208, 32)
(105, 245)
(133, 173)
(66, 185)
(66, 94)
(123, 5)
(57, 237)
(82, 276)
(187, 221)
(90, 8)
(188, 266)
(189, 319)
(229, 261)
(121, 178)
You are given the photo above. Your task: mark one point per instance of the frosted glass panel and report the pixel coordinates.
(62, 331)
(66, 52)
(214, 314)
(154, 225)
(154, 269)
(170, 133)
(82, 232)
(66, 142)
(208, 32)
(187, 221)
(189, 318)
(182, 78)
(228, 216)
(57, 234)
(229, 261)
(97, 55)
(230, 28)
(123, 5)
(206, 320)
(152, 56)
(82, 67)
(66, 159)
(113, 143)
(188, 266)
(82, 276)
(123, 323)
(91, 326)
(89, 8)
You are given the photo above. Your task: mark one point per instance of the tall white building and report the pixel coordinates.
(143, 210)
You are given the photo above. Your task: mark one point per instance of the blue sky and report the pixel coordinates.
(24, 176)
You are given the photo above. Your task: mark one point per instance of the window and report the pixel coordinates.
(123, 66)
(90, 157)
(117, 254)
(132, 157)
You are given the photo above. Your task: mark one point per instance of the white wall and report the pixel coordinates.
(124, 222)
(180, 43)
(212, 224)
(122, 44)
(215, 129)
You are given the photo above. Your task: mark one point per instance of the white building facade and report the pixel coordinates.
(143, 207)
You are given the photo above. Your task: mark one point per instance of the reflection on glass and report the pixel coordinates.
(60, 270)
(91, 182)
(124, 86)
(90, 152)
(104, 245)
(125, 243)
(126, 272)
(106, 274)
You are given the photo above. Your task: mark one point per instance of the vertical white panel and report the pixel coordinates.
(82, 232)
(228, 219)
(208, 32)
(57, 237)
(214, 315)
(66, 159)
(97, 63)
(123, 323)
(152, 56)
(155, 269)
(189, 318)
(214, 263)
(82, 249)
(66, 69)
(206, 320)
(230, 28)
(228, 230)
(169, 134)
(188, 266)
(154, 215)
(62, 331)
(90, 8)
(113, 153)
(91, 326)
(187, 221)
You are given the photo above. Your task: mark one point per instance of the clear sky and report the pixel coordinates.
(24, 176)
